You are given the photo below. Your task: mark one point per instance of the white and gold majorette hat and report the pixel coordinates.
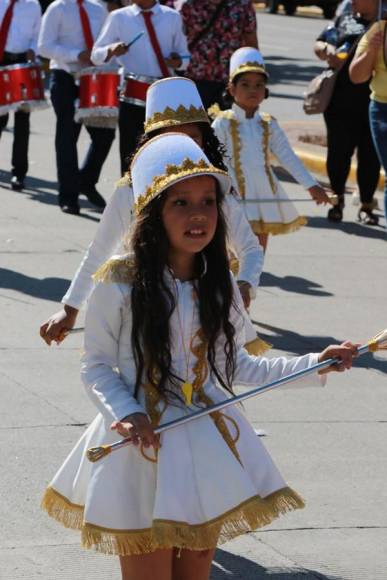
(165, 160)
(171, 102)
(247, 59)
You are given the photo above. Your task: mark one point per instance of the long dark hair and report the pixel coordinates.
(153, 302)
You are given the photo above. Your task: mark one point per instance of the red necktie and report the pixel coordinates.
(4, 29)
(155, 43)
(87, 34)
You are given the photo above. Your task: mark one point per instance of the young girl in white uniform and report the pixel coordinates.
(163, 337)
(250, 137)
(172, 104)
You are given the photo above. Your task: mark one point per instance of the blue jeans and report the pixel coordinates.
(378, 122)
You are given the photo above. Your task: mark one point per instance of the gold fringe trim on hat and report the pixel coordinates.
(172, 118)
(171, 175)
(69, 514)
(252, 66)
(265, 124)
(261, 227)
(120, 269)
(257, 346)
(254, 513)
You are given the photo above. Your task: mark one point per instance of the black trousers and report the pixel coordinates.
(131, 124)
(72, 179)
(347, 132)
(21, 129)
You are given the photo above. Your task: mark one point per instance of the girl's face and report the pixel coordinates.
(249, 90)
(190, 129)
(190, 216)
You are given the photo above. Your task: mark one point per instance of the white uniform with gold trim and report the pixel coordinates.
(249, 143)
(212, 480)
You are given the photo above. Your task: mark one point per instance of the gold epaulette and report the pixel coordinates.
(215, 111)
(118, 269)
(125, 180)
(266, 117)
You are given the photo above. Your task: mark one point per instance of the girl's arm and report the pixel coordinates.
(280, 146)
(110, 232)
(104, 320)
(364, 61)
(243, 241)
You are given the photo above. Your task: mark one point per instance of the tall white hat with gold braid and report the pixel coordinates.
(171, 102)
(165, 160)
(247, 59)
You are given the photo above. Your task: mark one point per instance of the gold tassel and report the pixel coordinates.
(261, 227)
(265, 123)
(257, 346)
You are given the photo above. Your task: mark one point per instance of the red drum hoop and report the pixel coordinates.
(135, 89)
(21, 87)
(98, 97)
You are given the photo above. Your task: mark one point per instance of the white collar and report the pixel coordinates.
(240, 113)
(137, 10)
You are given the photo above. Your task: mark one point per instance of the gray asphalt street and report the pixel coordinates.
(321, 285)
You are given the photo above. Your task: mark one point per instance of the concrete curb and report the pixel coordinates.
(317, 164)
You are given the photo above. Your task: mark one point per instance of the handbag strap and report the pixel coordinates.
(206, 29)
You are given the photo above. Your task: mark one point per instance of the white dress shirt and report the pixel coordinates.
(24, 29)
(114, 226)
(252, 160)
(124, 24)
(61, 37)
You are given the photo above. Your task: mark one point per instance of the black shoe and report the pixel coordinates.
(94, 197)
(335, 214)
(71, 209)
(17, 184)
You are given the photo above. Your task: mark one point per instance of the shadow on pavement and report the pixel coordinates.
(229, 566)
(293, 284)
(46, 289)
(297, 344)
(351, 228)
(290, 71)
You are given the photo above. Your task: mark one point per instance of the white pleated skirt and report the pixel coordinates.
(211, 481)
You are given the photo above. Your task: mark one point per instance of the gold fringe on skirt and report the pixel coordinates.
(261, 227)
(249, 515)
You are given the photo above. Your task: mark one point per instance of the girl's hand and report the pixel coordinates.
(138, 428)
(58, 325)
(344, 352)
(244, 289)
(319, 195)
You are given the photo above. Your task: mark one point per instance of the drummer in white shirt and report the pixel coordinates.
(64, 41)
(20, 42)
(145, 58)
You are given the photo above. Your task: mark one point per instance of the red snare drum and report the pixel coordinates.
(21, 87)
(135, 89)
(98, 97)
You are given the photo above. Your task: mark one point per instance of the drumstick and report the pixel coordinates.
(137, 37)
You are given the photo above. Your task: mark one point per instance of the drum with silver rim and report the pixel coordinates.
(21, 88)
(135, 89)
(98, 97)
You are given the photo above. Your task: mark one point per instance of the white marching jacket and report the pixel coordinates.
(249, 143)
(114, 226)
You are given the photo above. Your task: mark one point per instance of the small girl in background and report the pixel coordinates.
(164, 336)
(250, 137)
